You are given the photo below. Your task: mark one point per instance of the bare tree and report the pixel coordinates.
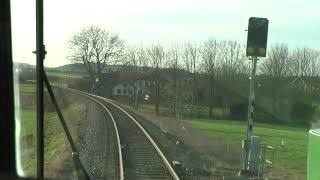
(277, 68)
(209, 66)
(136, 58)
(305, 62)
(190, 58)
(174, 91)
(231, 65)
(304, 65)
(156, 55)
(230, 69)
(95, 48)
(277, 65)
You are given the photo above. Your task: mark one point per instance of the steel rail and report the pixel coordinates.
(121, 174)
(163, 158)
(173, 174)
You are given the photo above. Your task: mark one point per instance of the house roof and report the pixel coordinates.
(122, 76)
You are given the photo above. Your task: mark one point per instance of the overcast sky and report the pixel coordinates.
(295, 22)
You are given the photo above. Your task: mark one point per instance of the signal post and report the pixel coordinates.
(256, 47)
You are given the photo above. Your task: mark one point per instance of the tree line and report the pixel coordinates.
(213, 73)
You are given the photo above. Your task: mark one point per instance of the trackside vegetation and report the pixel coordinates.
(290, 142)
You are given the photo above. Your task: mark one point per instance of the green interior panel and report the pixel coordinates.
(314, 155)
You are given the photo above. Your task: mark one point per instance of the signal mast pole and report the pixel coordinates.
(251, 97)
(256, 47)
(251, 105)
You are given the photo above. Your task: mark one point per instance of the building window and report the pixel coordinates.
(118, 91)
(124, 91)
(130, 91)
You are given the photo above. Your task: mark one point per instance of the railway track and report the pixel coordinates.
(113, 161)
(139, 156)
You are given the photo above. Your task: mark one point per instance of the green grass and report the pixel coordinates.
(27, 87)
(292, 155)
(28, 120)
(63, 74)
(314, 156)
(164, 109)
(55, 139)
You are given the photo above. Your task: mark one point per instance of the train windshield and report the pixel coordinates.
(170, 89)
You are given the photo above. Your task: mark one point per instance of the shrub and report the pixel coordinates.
(239, 111)
(83, 84)
(302, 112)
(48, 105)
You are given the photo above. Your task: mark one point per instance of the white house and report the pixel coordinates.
(127, 88)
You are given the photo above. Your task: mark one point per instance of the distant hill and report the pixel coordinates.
(23, 65)
(77, 67)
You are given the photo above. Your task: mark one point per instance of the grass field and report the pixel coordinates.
(55, 139)
(57, 78)
(290, 141)
(64, 74)
(166, 109)
(27, 87)
(291, 155)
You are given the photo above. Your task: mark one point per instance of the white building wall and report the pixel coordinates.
(127, 88)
